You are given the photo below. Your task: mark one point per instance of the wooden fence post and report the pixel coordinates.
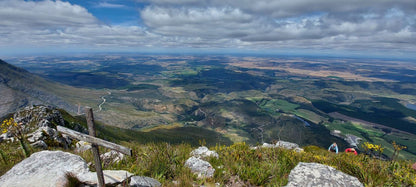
(95, 151)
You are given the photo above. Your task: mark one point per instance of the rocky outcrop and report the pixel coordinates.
(139, 181)
(43, 169)
(314, 174)
(39, 116)
(39, 123)
(203, 152)
(200, 167)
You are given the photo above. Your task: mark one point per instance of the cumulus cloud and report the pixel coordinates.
(43, 14)
(198, 22)
(57, 23)
(288, 23)
(216, 24)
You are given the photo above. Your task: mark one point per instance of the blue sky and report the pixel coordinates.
(321, 27)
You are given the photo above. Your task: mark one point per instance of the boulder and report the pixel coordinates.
(314, 174)
(287, 145)
(111, 157)
(203, 152)
(43, 169)
(139, 181)
(200, 167)
(111, 177)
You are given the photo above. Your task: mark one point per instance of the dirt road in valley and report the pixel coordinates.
(104, 100)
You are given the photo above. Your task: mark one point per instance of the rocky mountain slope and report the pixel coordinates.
(19, 88)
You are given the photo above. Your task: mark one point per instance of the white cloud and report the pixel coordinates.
(43, 14)
(109, 5)
(211, 22)
(216, 24)
(61, 24)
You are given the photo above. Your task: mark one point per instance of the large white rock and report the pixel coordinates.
(314, 174)
(44, 169)
(203, 152)
(200, 167)
(139, 181)
(111, 177)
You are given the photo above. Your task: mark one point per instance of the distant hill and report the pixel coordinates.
(19, 88)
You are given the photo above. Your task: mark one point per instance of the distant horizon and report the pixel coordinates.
(371, 29)
(248, 54)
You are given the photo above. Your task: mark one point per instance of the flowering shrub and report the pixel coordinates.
(397, 149)
(17, 130)
(8, 123)
(372, 149)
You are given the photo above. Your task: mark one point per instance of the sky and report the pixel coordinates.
(333, 27)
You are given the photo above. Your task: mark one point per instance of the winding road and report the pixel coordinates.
(104, 100)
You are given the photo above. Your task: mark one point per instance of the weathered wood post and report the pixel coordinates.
(95, 151)
(95, 142)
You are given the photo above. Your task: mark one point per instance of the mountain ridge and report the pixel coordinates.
(20, 88)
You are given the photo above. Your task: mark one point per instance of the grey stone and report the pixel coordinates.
(111, 177)
(139, 181)
(40, 144)
(41, 133)
(111, 157)
(203, 152)
(286, 145)
(43, 169)
(82, 146)
(200, 167)
(314, 174)
(282, 144)
(44, 123)
(6, 137)
(268, 145)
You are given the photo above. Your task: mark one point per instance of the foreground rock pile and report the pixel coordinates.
(40, 125)
(198, 165)
(49, 169)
